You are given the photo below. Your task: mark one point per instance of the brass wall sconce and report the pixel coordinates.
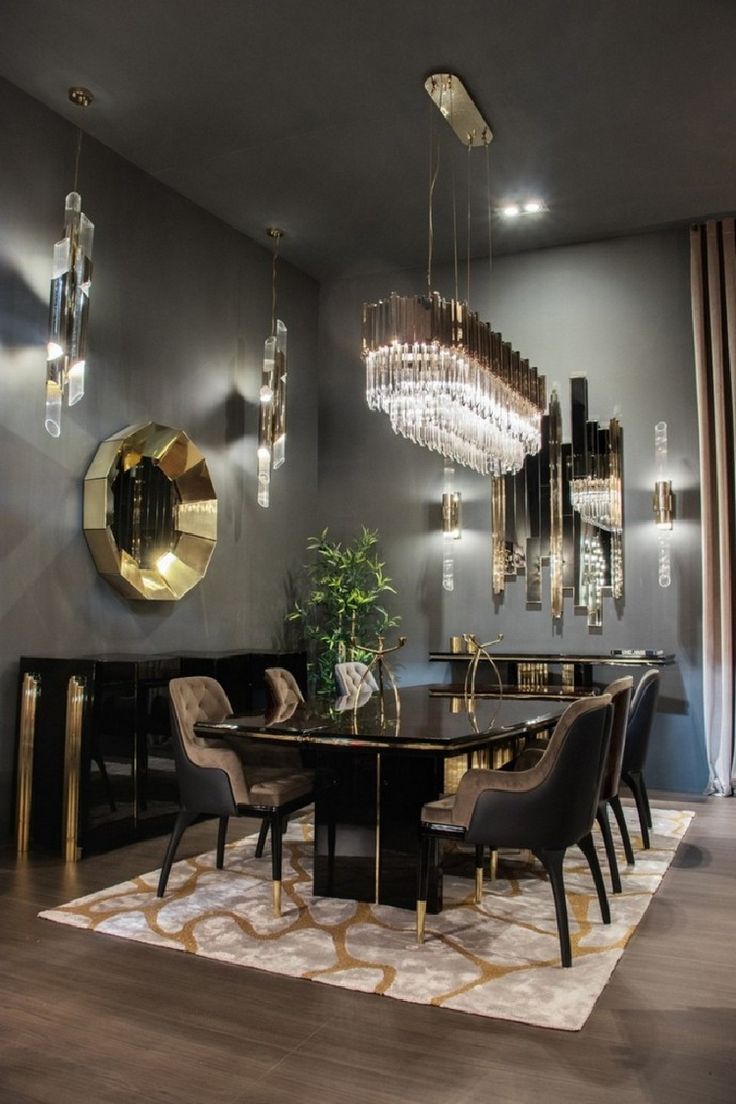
(272, 417)
(664, 508)
(451, 528)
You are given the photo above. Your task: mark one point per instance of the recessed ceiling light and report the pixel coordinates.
(527, 207)
(511, 210)
(533, 206)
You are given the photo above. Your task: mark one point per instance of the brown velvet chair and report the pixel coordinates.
(214, 779)
(282, 687)
(638, 731)
(545, 809)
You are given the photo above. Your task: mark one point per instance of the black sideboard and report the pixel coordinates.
(95, 765)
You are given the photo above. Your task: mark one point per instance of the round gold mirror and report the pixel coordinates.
(150, 512)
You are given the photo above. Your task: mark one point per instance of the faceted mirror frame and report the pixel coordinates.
(187, 535)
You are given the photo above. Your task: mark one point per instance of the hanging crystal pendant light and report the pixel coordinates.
(272, 420)
(69, 299)
(444, 378)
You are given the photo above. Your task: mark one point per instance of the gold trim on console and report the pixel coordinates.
(75, 699)
(30, 690)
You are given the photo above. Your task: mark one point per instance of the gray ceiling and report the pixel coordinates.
(313, 116)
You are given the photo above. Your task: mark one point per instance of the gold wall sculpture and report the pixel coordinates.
(563, 510)
(150, 512)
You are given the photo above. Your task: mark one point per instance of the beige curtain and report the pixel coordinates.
(713, 287)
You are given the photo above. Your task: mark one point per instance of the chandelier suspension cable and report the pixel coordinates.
(76, 158)
(488, 203)
(467, 259)
(276, 235)
(434, 168)
(454, 230)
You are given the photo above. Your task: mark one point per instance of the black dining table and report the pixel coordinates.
(374, 772)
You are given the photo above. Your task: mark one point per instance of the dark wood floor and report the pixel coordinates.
(88, 1018)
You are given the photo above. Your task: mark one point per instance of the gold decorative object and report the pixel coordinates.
(451, 528)
(75, 700)
(272, 418)
(479, 652)
(380, 667)
(555, 505)
(71, 277)
(451, 98)
(150, 512)
(30, 690)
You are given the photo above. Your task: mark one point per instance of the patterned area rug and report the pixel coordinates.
(499, 958)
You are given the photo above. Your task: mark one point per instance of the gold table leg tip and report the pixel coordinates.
(421, 917)
(277, 899)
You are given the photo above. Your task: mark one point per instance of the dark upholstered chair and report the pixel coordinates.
(638, 731)
(545, 809)
(620, 694)
(214, 780)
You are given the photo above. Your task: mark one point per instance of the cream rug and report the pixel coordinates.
(499, 958)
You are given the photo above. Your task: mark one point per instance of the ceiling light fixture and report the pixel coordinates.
(272, 416)
(71, 276)
(528, 207)
(446, 380)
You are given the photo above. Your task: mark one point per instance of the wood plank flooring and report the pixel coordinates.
(92, 1019)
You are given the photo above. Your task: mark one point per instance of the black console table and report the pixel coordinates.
(564, 676)
(95, 766)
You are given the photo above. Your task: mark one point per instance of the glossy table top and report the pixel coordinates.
(426, 723)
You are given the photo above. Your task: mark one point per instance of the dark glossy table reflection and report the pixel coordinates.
(373, 775)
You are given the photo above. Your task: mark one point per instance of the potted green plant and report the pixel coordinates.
(344, 585)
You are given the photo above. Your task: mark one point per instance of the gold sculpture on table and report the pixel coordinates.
(379, 663)
(479, 652)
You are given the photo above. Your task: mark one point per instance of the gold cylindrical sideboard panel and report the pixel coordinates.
(30, 689)
(72, 761)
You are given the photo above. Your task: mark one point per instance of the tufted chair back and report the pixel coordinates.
(282, 686)
(348, 677)
(209, 772)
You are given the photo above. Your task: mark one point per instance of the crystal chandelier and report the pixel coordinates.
(69, 299)
(443, 377)
(451, 384)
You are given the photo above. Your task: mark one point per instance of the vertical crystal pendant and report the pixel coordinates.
(68, 312)
(272, 420)
(450, 528)
(279, 396)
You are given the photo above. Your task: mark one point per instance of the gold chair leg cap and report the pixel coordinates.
(277, 899)
(478, 884)
(421, 918)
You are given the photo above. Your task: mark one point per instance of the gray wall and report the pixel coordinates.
(180, 307)
(618, 312)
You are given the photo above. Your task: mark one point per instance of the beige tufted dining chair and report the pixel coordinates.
(214, 779)
(349, 675)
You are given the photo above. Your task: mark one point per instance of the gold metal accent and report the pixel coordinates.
(381, 667)
(663, 504)
(451, 513)
(30, 690)
(457, 644)
(194, 513)
(478, 884)
(555, 506)
(275, 232)
(378, 827)
(421, 920)
(498, 533)
(75, 697)
(450, 96)
(276, 893)
(82, 97)
(493, 866)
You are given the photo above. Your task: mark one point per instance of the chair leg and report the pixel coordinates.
(646, 800)
(427, 852)
(605, 827)
(183, 820)
(618, 812)
(221, 834)
(635, 783)
(478, 873)
(587, 846)
(552, 863)
(276, 836)
(262, 834)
